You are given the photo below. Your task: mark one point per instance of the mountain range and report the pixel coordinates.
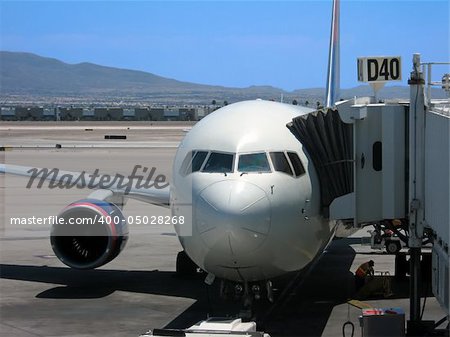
(26, 74)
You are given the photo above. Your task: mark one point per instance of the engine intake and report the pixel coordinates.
(89, 233)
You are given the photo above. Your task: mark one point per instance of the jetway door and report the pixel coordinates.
(381, 162)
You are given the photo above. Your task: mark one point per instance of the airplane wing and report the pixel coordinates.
(148, 191)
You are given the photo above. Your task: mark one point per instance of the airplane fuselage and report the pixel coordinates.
(248, 193)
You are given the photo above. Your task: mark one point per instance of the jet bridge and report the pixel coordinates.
(358, 150)
(329, 143)
(384, 161)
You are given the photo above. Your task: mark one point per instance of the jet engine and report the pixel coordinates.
(89, 233)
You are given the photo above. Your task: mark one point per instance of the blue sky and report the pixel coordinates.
(230, 43)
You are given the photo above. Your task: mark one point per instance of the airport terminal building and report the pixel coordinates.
(105, 113)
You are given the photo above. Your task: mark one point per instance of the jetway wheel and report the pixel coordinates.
(393, 247)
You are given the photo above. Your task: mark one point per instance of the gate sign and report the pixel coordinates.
(379, 69)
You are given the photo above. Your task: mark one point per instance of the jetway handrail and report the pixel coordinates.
(427, 68)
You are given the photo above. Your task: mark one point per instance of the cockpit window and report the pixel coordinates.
(219, 162)
(280, 162)
(186, 164)
(198, 160)
(296, 164)
(255, 162)
(193, 162)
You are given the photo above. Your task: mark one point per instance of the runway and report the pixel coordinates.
(89, 135)
(139, 290)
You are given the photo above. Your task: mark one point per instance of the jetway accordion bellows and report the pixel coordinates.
(328, 142)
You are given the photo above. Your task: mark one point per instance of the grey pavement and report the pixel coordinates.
(39, 296)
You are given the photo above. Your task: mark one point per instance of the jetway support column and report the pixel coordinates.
(416, 188)
(415, 282)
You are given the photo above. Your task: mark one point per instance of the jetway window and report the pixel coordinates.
(255, 162)
(219, 163)
(280, 162)
(193, 162)
(296, 164)
(377, 156)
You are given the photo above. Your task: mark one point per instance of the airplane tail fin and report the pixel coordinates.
(333, 75)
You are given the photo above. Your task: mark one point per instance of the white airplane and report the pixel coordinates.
(246, 189)
(255, 212)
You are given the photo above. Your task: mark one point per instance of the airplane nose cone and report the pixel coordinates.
(233, 217)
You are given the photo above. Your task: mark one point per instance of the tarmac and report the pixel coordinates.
(39, 296)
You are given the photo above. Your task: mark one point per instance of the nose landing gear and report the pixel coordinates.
(248, 294)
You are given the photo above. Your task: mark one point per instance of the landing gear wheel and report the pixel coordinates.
(393, 247)
(185, 266)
